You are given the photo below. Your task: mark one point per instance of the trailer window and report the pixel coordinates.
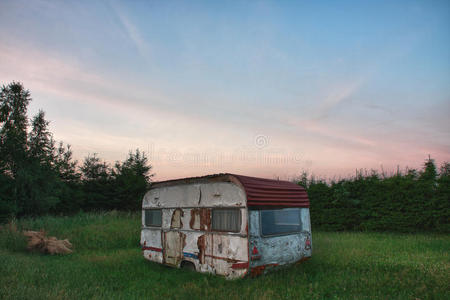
(280, 221)
(153, 217)
(226, 220)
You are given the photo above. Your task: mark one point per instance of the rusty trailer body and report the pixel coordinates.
(226, 224)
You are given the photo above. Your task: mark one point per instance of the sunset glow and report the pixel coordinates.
(260, 88)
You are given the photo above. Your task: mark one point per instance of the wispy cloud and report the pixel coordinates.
(133, 32)
(49, 73)
(338, 95)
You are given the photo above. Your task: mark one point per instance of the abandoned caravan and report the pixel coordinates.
(226, 224)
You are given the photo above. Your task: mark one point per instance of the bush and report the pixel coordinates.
(406, 202)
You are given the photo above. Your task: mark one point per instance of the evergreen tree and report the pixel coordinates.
(132, 179)
(72, 196)
(41, 188)
(14, 100)
(97, 181)
(41, 144)
(429, 172)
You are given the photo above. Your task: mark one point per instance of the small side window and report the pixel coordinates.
(153, 217)
(226, 219)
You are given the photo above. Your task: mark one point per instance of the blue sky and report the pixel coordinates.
(264, 88)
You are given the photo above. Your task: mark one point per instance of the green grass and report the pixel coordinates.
(107, 264)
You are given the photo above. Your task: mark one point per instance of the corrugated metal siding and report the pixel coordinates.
(268, 192)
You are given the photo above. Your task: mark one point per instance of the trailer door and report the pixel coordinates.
(173, 247)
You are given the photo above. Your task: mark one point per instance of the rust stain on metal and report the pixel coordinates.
(205, 219)
(176, 221)
(200, 219)
(255, 271)
(230, 260)
(174, 243)
(183, 241)
(201, 244)
(211, 247)
(192, 225)
(242, 265)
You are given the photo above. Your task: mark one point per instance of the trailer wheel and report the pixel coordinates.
(187, 265)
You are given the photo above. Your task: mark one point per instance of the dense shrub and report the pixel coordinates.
(410, 201)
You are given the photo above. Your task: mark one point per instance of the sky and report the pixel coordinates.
(259, 88)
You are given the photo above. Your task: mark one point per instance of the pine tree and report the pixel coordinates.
(97, 181)
(65, 166)
(14, 100)
(72, 196)
(429, 172)
(132, 179)
(42, 188)
(41, 143)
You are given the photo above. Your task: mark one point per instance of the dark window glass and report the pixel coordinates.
(279, 221)
(226, 220)
(153, 217)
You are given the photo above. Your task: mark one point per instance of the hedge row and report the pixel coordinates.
(412, 201)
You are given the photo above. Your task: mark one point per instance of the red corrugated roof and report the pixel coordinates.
(269, 192)
(260, 191)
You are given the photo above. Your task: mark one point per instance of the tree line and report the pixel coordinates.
(408, 201)
(40, 176)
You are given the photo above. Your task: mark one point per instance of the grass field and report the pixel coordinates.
(107, 264)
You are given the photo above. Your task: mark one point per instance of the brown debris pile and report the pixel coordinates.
(37, 240)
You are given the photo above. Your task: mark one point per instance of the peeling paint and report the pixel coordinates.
(173, 247)
(201, 244)
(186, 233)
(176, 221)
(200, 219)
(279, 249)
(194, 223)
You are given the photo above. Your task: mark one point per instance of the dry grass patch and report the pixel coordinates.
(37, 240)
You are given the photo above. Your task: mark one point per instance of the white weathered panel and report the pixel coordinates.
(220, 194)
(167, 217)
(151, 237)
(244, 224)
(153, 256)
(186, 218)
(191, 242)
(229, 247)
